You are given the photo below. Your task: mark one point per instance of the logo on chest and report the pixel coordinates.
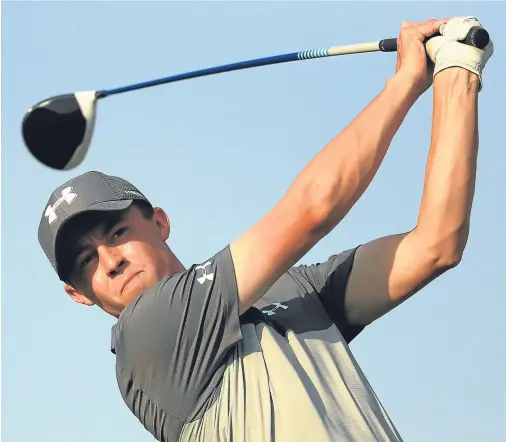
(271, 309)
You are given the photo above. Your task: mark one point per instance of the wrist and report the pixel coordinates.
(405, 86)
(459, 77)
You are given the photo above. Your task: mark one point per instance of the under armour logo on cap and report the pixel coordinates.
(67, 196)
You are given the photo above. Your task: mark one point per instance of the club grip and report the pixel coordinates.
(477, 37)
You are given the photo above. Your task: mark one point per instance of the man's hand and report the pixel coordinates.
(447, 51)
(412, 60)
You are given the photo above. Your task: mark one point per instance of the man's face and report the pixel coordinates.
(117, 260)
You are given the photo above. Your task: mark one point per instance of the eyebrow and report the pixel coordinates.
(105, 227)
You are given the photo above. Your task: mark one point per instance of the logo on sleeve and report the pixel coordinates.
(205, 274)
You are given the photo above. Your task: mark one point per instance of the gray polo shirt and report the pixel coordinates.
(191, 369)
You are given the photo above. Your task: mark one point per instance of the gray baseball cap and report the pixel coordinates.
(91, 191)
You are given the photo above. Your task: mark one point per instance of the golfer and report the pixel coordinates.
(244, 345)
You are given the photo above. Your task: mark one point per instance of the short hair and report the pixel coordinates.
(82, 224)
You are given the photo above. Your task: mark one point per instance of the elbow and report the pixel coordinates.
(323, 217)
(329, 197)
(449, 254)
(327, 209)
(445, 248)
(447, 260)
(441, 254)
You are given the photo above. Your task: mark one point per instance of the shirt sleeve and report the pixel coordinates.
(172, 343)
(329, 281)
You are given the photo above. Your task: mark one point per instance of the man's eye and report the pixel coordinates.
(86, 260)
(120, 232)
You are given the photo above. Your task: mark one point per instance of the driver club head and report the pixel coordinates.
(58, 130)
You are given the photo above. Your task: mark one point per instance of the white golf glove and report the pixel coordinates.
(447, 51)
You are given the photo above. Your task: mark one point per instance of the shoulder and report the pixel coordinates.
(213, 275)
(190, 316)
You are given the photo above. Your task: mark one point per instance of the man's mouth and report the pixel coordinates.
(128, 280)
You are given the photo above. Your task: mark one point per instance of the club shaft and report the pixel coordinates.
(476, 36)
(276, 59)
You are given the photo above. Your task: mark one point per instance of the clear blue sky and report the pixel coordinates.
(217, 153)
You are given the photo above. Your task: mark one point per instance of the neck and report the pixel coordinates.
(175, 265)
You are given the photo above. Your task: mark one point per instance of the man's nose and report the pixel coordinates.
(113, 259)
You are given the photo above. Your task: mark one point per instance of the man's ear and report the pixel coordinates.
(77, 296)
(163, 222)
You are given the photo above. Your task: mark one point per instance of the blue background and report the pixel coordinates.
(217, 153)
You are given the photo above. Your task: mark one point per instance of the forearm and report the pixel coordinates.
(450, 176)
(336, 178)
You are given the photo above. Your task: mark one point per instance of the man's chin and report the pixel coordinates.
(135, 287)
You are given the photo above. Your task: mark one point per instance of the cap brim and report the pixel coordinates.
(105, 206)
(108, 205)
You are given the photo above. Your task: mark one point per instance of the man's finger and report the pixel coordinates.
(410, 24)
(430, 27)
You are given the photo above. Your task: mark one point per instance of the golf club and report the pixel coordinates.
(58, 130)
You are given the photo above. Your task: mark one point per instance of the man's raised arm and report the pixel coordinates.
(329, 186)
(389, 270)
